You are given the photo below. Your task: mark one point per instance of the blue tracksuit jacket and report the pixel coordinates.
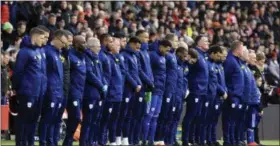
(234, 76)
(54, 73)
(248, 81)
(105, 63)
(26, 42)
(77, 74)
(115, 90)
(158, 64)
(95, 80)
(255, 95)
(221, 86)
(213, 80)
(198, 75)
(182, 81)
(146, 74)
(171, 74)
(132, 66)
(154, 45)
(27, 75)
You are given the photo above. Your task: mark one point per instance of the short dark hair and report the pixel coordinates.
(193, 53)
(215, 49)
(198, 38)
(20, 23)
(52, 15)
(165, 43)
(134, 40)
(235, 45)
(139, 32)
(59, 34)
(257, 75)
(170, 36)
(44, 28)
(181, 50)
(36, 31)
(119, 35)
(68, 33)
(104, 36)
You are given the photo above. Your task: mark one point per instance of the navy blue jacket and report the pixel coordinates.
(255, 95)
(221, 86)
(154, 45)
(248, 76)
(44, 71)
(182, 81)
(146, 74)
(234, 76)
(54, 73)
(158, 64)
(27, 75)
(171, 74)
(77, 74)
(94, 77)
(115, 90)
(132, 66)
(198, 75)
(106, 66)
(213, 80)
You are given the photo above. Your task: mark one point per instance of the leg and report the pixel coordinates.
(177, 111)
(197, 121)
(32, 127)
(107, 111)
(213, 128)
(113, 121)
(151, 107)
(95, 125)
(73, 107)
(204, 118)
(162, 119)
(87, 110)
(24, 118)
(58, 122)
(192, 109)
(137, 118)
(127, 127)
(252, 114)
(157, 110)
(46, 121)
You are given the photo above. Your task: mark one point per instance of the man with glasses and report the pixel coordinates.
(54, 95)
(66, 85)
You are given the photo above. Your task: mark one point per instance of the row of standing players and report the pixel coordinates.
(134, 95)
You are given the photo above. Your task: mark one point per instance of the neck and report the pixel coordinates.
(201, 49)
(54, 44)
(33, 42)
(235, 54)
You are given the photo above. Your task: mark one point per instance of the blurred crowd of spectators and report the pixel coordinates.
(256, 23)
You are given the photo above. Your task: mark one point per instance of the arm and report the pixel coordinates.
(22, 59)
(143, 76)
(129, 77)
(170, 74)
(91, 77)
(272, 70)
(106, 65)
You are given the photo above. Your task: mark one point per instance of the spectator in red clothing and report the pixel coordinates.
(5, 12)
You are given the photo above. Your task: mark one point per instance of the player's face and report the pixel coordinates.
(164, 50)
(39, 40)
(204, 43)
(144, 37)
